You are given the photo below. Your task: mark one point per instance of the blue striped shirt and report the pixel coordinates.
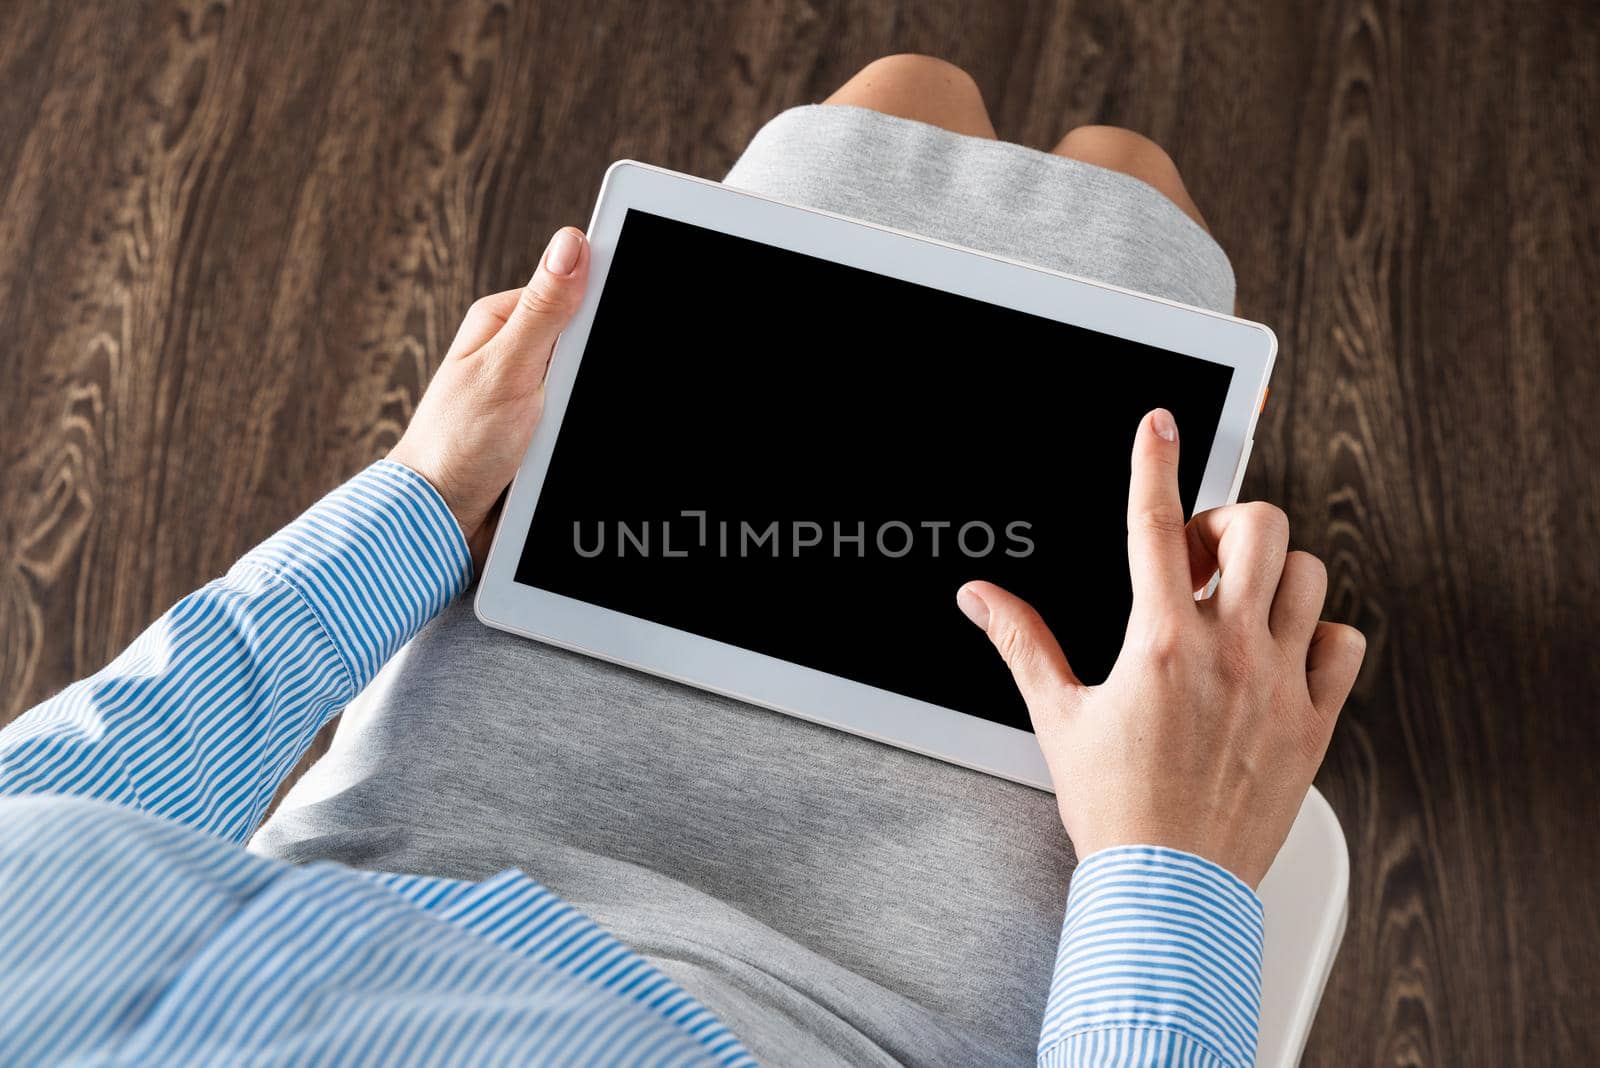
(135, 929)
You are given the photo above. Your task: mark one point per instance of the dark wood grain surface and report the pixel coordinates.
(236, 237)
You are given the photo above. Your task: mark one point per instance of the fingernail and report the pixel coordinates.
(562, 255)
(972, 607)
(1162, 422)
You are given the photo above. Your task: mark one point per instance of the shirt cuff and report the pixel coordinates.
(374, 560)
(1162, 941)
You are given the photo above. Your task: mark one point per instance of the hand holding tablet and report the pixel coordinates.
(472, 426)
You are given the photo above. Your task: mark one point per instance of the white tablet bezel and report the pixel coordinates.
(947, 734)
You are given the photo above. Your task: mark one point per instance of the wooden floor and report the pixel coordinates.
(235, 238)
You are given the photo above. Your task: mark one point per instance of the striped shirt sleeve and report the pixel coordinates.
(202, 716)
(1159, 964)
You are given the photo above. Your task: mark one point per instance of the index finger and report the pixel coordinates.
(1158, 548)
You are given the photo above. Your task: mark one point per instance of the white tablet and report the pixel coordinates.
(775, 443)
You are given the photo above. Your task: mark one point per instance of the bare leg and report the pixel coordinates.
(922, 88)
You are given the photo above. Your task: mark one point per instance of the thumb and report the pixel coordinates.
(546, 305)
(1032, 653)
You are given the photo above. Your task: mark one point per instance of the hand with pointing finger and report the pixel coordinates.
(474, 423)
(1207, 733)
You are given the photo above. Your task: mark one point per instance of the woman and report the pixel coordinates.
(716, 882)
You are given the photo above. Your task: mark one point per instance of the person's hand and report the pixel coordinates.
(1213, 722)
(474, 423)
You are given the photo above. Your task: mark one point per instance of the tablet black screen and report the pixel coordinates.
(807, 460)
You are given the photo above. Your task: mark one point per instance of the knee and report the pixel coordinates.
(924, 88)
(912, 70)
(1132, 154)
